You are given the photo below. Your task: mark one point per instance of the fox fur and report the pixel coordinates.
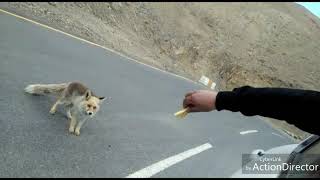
(80, 102)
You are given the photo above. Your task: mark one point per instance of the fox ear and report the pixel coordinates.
(101, 99)
(88, 95)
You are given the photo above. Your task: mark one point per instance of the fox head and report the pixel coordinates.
(90, 104)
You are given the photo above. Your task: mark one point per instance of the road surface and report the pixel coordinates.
(135, 130)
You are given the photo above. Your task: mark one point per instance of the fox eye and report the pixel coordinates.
(94, 107)
(89, 105)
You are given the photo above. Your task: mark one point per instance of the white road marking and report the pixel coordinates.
(164, 164)
(116, 52)
(277, 135)
(207, 82)
(213, 86)
(204, 80)
(248, 132)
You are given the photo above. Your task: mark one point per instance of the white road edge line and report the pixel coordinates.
(111, 50)
(277, 135)
(164, 164)
(248, 132)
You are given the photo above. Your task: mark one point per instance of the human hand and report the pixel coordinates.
(200, 101)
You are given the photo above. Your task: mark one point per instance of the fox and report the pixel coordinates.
(79, 101)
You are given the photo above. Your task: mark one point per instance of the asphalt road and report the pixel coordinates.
(136, 129)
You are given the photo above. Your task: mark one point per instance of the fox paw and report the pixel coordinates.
(77, 132)
(71, 130)
(52, 111)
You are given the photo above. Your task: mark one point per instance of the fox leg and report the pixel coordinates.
(54, 107)
(68, 106)
(73, 123)
(79, 125)
(69, 114)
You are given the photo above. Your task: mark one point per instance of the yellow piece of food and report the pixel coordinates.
(181, 114)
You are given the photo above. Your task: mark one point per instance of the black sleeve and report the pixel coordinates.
(298, 107)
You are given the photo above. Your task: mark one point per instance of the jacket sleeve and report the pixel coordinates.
(298, 107)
